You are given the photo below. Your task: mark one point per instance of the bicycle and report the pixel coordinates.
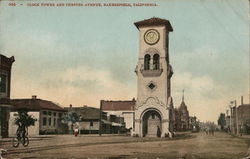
(21, 137)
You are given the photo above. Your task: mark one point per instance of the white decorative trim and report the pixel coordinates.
(151, 97)
(152, 51)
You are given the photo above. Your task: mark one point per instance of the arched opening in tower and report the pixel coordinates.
(151, 124)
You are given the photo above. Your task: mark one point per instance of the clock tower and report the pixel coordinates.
(154, 107)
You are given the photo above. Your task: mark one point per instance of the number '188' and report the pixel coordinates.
(12, 4)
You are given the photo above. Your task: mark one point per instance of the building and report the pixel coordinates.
(154, 72)
(243, 118)
(240, 118)
(182, 117)
(123, 109)
(47, 113)
(5, 84)
(87, 120)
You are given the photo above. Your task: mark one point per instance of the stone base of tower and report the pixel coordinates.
(152, 119)
(164, 131)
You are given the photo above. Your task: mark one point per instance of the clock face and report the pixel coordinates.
(151, 36)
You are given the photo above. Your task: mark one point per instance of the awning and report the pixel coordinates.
(6, 105)
(106, 122)
(116, 124)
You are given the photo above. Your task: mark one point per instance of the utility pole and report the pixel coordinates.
(230, 121)
(237, 125)
(100, 119)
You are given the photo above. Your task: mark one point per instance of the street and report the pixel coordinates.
(192, 146)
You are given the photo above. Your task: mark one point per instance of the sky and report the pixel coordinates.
(80, 55)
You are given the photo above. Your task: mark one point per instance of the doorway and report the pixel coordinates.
(151, 124)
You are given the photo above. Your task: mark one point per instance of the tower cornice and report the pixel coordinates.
(154, 22)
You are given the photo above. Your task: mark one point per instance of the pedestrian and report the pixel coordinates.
(206, 131)
(158, 131)
(76, 131)
(212, 132)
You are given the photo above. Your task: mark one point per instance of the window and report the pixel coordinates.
(147, 62)
(91, 123)
(49, 121)
(3, 83)
(44, 112)
(60, 115)
(151, 86)
(156, 62)
(49, 113)
(54, 122)
(44, 121)
(54, 113)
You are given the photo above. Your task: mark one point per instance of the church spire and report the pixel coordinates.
(183, 95)
(183, 105)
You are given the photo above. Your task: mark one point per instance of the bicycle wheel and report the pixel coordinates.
(25, 141)
(15, 142)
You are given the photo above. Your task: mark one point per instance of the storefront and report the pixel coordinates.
(5, 82)
(4, 117)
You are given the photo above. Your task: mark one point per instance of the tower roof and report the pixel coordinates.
(153, 22)
(183, 105)
(6, 62)
(183, 96)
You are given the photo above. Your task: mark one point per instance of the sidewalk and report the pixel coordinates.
(47, 137)
(243, 136)
(39, 137)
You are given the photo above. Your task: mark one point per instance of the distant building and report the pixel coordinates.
(182, 117)
(5, 83)
(243, 112)
(47, 113)
(241, 120)
(89, 120)
(123, 109)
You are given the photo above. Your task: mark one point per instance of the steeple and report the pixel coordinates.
(183, 95)
(182, 102)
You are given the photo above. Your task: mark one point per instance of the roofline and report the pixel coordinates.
(119, 100)
(242, 105)
(37, 99)
(15, 108)
(146, 22)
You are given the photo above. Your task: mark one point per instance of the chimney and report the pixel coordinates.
(85, 106)
(33, 96)
(70, 106)
(241, 100)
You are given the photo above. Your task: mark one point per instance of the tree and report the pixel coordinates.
(24, 120)
(70, 118)
(222, 121)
